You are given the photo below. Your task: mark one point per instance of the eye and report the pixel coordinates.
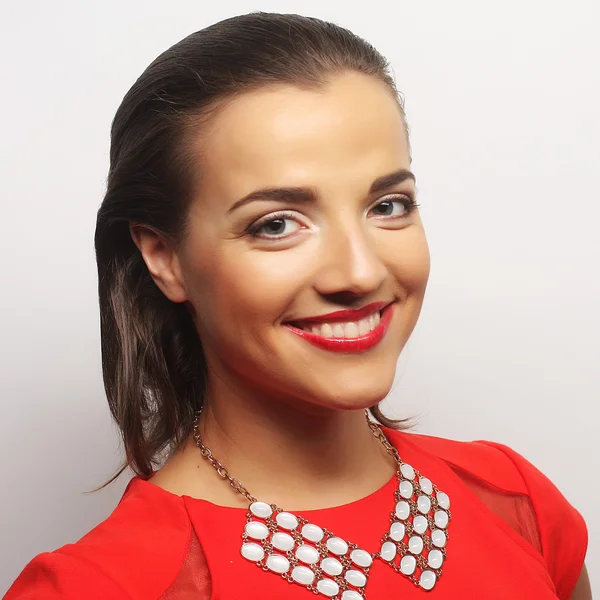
(396, 206)
(275, 226)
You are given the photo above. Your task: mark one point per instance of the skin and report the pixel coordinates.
(273, 399)
(582, 590)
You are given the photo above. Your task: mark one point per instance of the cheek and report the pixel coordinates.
(245, 289)
(408, 259)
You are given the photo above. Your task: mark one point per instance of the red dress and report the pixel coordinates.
(512, 535)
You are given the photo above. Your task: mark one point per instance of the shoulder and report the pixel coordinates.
(136, 552)
(561, 528)
(489, 461)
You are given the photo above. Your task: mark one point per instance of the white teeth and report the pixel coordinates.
(364, 327)
(326, 330)
(338, 330)
(351, 329)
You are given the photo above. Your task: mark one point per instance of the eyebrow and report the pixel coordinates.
(304, 194)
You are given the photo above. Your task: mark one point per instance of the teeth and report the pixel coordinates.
(326, 330)
(338, 330)
(350, 329)
(363, 327)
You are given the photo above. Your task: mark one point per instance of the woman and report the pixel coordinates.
(262, 263)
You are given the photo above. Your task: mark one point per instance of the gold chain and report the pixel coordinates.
(237, 485)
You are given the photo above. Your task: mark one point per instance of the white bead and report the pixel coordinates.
(426, 485)
(427, 580)
(407, 471)
(356, 578)
(415, 544)
(328, 587)
(261, 509)
(438, 537)
(443, 500)
(351, 595)
(406, 489)
(337, 546)
(256, 530)
(423, 504)
(286, 520)
(420, 524)
(312, 533)
(303, 575)
(332, 566)
(408, 564)
(435, 559)
(278, 563)
(388, 551)
(283, 541)
(441, 518)
(397, 531)
(403, 510)
(361, 558)
(253, 552)
(307, 554)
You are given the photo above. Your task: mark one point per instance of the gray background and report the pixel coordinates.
(502, 99)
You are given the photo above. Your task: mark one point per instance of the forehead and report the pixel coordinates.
(351, 129)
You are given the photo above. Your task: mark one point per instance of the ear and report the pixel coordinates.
(162, 262)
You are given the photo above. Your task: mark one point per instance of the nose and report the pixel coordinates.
(349, 262)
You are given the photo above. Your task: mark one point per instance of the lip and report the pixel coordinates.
(349, 345)
(351, 314)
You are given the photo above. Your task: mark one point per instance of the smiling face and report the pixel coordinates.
(343, 234)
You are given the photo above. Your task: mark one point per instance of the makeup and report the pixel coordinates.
(339, 331)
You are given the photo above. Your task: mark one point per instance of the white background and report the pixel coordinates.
(502, 99)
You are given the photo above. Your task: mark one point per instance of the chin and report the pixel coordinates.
(352, 394)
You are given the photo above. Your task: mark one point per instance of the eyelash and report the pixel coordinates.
(409, 204)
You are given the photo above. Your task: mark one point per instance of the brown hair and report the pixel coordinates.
(153, 364)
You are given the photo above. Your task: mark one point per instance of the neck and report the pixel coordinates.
(298, 457)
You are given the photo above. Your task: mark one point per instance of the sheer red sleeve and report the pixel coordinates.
(563, 534)
(54, 575)
(146, 549)
(523, 497)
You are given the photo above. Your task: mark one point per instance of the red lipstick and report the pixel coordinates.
(350, 314)
(348, 345)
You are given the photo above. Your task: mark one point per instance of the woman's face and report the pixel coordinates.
(252, 266)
